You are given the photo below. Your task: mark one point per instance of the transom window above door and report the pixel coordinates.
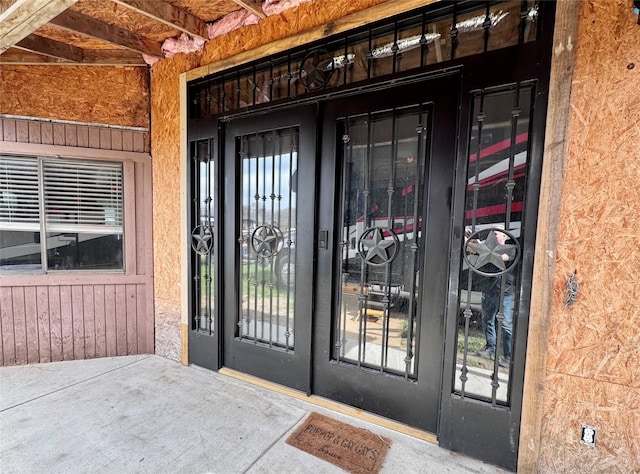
(435, 34)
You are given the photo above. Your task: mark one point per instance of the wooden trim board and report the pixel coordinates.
(363, 17)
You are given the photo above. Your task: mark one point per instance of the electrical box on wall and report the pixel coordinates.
(588, 435)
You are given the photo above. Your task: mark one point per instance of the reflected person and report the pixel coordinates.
(491, 304)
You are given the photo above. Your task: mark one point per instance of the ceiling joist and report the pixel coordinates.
(50, 48)
(252, 6)
(85, 25)
(93, 57)
(169, 15)
(23, 17)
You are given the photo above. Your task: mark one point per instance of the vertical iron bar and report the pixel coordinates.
(386, 299)
(370, 55)
(238, 90)
(209, 266)
(454, 31)
(423, 41)
(486, 25)
(255, 85)
(246, 168)
(345, 62)
(256, 283)
(395, 48)
(363, 298)
(223, 95)
(196, 215)
(347, 158)
(279, 221)
(292, 147)
(476, 191)
(272, 257)
(524, 12)
(260, 152)
(288, 75)
(421, 130)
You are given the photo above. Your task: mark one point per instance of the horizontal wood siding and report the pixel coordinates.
(62, 322)
(69, 316)
(74, 135)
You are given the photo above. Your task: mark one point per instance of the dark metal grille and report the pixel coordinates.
(202, 234)
(382, 197)
(432, 35)
(268, 189)
(489, 280)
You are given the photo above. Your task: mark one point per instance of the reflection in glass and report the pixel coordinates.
(20, 251)
(84, 251)
(489, 279)
(383, 168)
(267, 237)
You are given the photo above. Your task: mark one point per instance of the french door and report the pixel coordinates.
(336, 267)
(385, 199)
(268, 247)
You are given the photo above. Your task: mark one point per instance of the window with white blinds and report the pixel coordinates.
(83, 197)
(19, 206)
(82, 202)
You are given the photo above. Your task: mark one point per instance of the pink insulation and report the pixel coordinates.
(274, 7)
(183, 44)
(231, 22)
(243, 17)
(186, 44)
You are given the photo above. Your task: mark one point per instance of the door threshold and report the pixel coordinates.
(333, 406)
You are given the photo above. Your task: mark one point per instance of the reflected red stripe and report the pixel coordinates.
(498, 209)
(500, 146)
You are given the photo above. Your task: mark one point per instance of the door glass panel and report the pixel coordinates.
(267, 242)
(202, 235)
(490, 275)
(381, 216)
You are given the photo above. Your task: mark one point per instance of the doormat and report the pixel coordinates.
(353, 449)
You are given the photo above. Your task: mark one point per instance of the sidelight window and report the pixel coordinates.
(60, 214)
(492, 257)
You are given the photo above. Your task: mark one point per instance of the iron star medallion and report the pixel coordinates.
(202, 240)
(376, 249)
(489, 253)
(265, 240)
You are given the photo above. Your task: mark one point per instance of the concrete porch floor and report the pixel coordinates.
(150, 414)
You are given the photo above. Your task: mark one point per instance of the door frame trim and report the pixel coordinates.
(332, 405)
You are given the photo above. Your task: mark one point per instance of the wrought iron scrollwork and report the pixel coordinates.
(202, 239)
(266, 240)
(378, 246)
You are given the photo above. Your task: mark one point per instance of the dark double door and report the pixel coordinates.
(336, 243)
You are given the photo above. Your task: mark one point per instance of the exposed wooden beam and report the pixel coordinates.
(252, 6)
(169, 15)
(5, 4)
(93, 57)
(85, 25)
(23, 17)
(50, 48)
(363, 17)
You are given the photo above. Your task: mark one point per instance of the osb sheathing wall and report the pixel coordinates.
(593, 359)
(165, 137)
(103, 95)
